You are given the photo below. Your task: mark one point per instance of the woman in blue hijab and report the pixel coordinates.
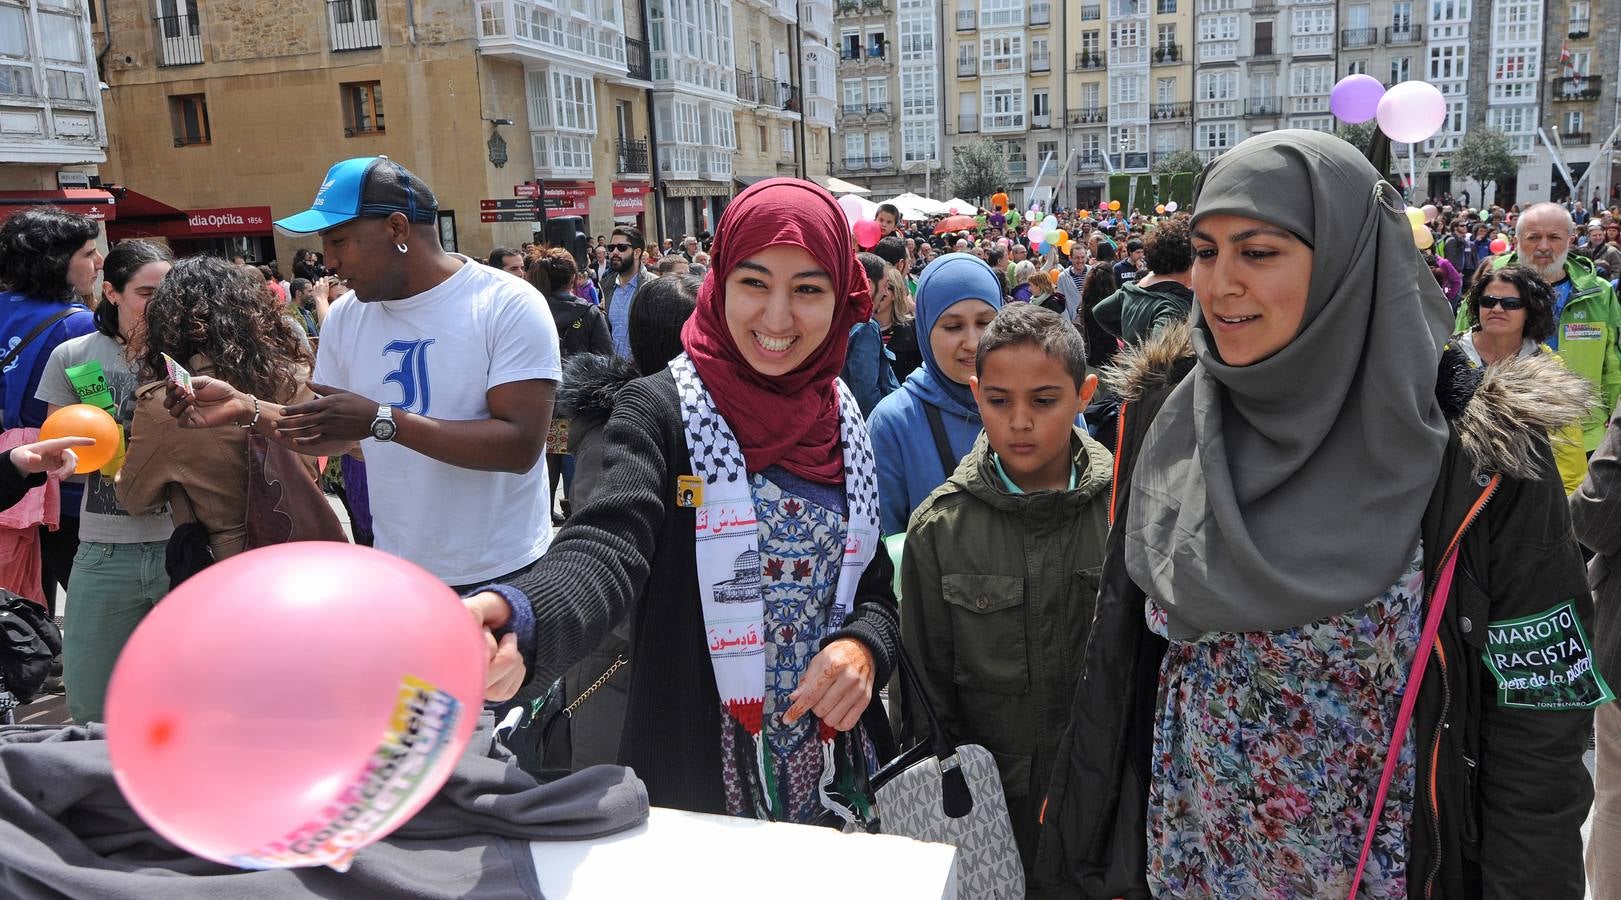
(921, 432)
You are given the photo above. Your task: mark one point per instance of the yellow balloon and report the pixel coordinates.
(1422, 238)
(1414, 215)
(1160, 209)
(1086, 214)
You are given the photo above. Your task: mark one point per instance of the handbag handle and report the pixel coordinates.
(912, 684)
(1432, 624)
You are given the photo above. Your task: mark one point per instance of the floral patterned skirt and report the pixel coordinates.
(1268, 749)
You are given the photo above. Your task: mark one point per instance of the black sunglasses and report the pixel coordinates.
(1509, 304)
(619, 247)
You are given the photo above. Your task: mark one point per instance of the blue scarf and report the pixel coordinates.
(946, 282)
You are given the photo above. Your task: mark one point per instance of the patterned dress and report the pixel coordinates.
(1268, 750)
(802, 529)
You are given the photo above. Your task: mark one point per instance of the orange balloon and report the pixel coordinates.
(1114, 205)
(84, 420)
(1053, 275)
(1086, 214)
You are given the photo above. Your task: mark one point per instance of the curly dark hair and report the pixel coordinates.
(36, 246)
(1168, 249)
(206, 305)
(1538, 297)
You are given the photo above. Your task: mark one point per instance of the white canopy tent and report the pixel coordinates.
(961, 207)
(869, 209)
(916, 208)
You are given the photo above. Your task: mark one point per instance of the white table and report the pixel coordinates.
(686, 854)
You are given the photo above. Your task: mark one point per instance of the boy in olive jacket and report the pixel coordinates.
(1001, 567)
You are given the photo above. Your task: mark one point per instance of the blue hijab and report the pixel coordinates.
(945, 282)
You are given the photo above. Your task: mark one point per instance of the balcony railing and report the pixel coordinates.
(780, 94)
(1041, 12)
(180, 39)
(967, 123)
(354, 24)
(632, 156)
(1358, 37)
(1576, 137)
(1578, 87)
(853, 109)
(1091, 115)
(1086, 59)
(1162, 111)
(847, 7)
(1088, 161)
(967, 67)
(1401, 34)
(878, 109)
(1579, 28)
(855, 162)
(1042, 63)
(879, 160)
(967, 19)
(1091, 12)
(848, 55)
(1042, 120)
(1263, 106)
(637, 60)
(1166, 54)
(748, 86)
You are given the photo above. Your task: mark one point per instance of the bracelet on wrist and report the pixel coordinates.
(255, 420)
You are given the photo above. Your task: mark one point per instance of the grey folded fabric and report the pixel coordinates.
(66, 831)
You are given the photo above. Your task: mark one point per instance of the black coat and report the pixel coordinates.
(629, 550)
(1502, 791)
(581, 327)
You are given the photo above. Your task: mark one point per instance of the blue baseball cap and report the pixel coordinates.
(367, 186)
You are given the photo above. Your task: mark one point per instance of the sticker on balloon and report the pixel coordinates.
(421, 727)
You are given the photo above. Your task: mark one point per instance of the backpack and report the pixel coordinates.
(29, 640)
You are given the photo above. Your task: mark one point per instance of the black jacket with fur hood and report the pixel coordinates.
(1502, 791)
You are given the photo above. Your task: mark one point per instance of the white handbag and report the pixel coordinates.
(947, 794)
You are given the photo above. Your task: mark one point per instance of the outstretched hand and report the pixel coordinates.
(335, 415)
(211, 404)
(53, 457)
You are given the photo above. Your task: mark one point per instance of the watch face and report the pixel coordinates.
(383, 429)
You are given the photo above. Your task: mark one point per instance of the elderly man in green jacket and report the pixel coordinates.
(1585, 307)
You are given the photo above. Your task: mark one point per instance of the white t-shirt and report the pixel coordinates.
(436, 354)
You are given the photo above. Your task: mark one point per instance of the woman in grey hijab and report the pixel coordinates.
(1303, 473)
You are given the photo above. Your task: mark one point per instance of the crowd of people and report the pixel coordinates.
(1251, 540)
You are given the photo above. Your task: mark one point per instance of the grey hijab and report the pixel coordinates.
(1276, 494)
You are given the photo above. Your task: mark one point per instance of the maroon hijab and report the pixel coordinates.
(789, 420)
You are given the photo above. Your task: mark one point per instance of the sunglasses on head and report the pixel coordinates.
(1509, 304)
(621, 247)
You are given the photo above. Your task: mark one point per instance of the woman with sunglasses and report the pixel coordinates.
(1510, 312)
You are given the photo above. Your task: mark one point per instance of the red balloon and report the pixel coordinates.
(1499, 245)
(291, 705)
(867, 233)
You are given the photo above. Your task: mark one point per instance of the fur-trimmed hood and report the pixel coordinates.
(1497, 412)
(591, 385)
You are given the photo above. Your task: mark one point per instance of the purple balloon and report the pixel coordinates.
(1355, 98)
(1411, 112)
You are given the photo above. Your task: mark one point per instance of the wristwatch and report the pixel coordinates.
(383, 427)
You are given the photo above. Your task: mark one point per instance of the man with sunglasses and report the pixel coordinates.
(625, 263)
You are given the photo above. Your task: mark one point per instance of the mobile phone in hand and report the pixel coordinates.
(178, 376)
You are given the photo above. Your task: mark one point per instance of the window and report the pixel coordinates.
(917, 93)
(1220, 85)
(1165, 36)
(1018, 168)
(877, 92)
(1514, 64)
(1216, 136)
(852, 93)
(354, 24)
(1581, 62)
(1165, 7)
(1356, 67)
(1046, 149)
(878, 148)
(362, 107)
(1040, 56)
(849, 44)
(1003, 100)
(188, 114)
(1357, 17)
(1210, 6)
(1165, 90)
(1449, 10)
(1218, 28)
(785, 136)
(1516, 22)
(855, 149)
(1401, 68)
(1448, 62)
(1041, 107)
(1127, 34)
(1401, 15)
(1313, 30)
(918, 142)
(1001, 13)
(764, 139)
(917, 39)
(1126, 89)
(1001, 52)
(13, 31)
(60, 38)
(1310, 80)
(1314, 123)
(1091, 146)
(1571, 123)
(1091, 95)
(877, 43)
(1089, 42)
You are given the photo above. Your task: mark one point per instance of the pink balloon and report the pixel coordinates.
(1036, 234)
(1355, 98)
(291, 705)
(867, 233)
(1411, 112)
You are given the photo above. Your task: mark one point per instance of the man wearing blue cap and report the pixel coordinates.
(448, 366)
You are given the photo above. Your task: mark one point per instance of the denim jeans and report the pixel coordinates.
(112, 588)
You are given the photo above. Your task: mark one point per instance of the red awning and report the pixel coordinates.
(197, 223)
(93, 202)
(133, 204)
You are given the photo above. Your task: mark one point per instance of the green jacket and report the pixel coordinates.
(999, 590)
(1589, 332)
(1135, 314)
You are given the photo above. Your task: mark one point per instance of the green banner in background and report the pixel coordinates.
(1144, 201)
(1120, 189)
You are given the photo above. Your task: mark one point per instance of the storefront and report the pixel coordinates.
(96, 203)
(630, 204)
(566, 198)
(224, 231)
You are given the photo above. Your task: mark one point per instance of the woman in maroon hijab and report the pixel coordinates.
(736, 524)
